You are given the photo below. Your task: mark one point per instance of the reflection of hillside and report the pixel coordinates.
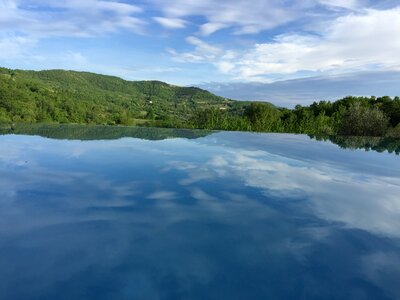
(87, 132)
(378, 144)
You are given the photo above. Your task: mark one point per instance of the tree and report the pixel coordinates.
(363, 121)
(263, 117)
(4, 118)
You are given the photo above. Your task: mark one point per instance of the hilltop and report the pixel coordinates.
(82, 97)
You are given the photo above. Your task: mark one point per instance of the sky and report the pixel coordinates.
(283, 51)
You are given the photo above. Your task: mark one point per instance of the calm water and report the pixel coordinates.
(216, 216)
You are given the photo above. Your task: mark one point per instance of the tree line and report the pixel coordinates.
(350, 116)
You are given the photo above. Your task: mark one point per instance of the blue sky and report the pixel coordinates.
(276, 50)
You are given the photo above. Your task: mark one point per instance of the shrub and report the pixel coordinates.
(363, 121)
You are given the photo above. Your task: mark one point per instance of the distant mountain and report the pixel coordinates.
(305, 91)
(81, 97)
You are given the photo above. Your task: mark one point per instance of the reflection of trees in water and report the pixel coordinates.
(378, 144)
(88, 132)
(98, 132)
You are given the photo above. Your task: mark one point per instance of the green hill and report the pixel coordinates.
(81, 97)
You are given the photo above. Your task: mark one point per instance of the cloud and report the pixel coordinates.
(307, 90)
(43, 19)
(76, 58)
(245, 18)
(68, 18)
(210, 28)
(15, 46)
(242, 17)
(203, 52)
(173, 23)
(24, 23)
(203, 48)
(347, 4)
(371, 44)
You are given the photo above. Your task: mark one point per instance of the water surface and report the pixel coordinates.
(195, 215)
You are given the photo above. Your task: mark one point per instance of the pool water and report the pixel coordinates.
(217, 215)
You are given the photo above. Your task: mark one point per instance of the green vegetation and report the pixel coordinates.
(85, 98)
(351, 116)
(378, 144)
(104, 132)
(100, 132)
(58, 96)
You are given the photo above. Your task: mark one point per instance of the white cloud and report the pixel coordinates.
(210, 28)
(354, 42)
(15, 46)
(76, 58)
(347, 4)
(23, 24)
(173, 23)
(371, 44)
(68, 18)
(203, 52)
(245, 17)
(225, 66)
(203, 47)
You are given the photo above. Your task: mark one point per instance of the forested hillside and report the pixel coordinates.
(59, 96)
(80, 97)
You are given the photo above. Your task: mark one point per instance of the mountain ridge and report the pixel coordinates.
(86, 97)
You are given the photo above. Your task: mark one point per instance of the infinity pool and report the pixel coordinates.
(196, 215)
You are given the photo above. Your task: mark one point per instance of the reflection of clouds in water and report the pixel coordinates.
(14, 148)
(186, 246)
(133, 258)
(151, 233)
(16, 154)
(361, 201)
(154, 247)
(162, 195)
(199, 194)
(384, 268)
(53, 196)
(38, 176)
